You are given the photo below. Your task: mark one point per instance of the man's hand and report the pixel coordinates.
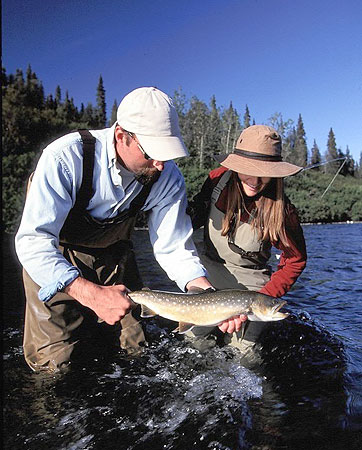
(198, 283)
(110, 303)
(233, 324)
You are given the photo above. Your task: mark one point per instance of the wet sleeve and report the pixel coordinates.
(48, 202)
(292, 261)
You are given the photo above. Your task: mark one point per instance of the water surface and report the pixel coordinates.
(302, 390)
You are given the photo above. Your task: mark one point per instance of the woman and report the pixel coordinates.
(245, 212)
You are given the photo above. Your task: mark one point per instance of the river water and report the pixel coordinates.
(303, 390)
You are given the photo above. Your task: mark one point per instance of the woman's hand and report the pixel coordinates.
(233, 324)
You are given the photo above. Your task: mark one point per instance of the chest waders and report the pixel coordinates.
(236, 261)
(103, 252)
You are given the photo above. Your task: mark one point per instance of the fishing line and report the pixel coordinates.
(322, 163)
(327, 162)
(334, 177)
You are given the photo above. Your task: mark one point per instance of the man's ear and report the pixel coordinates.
(119, 133)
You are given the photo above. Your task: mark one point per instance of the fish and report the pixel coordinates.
(209, 307)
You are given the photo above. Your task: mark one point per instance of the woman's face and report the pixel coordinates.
(253, 185)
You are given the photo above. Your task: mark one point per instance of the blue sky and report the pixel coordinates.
(287, 56)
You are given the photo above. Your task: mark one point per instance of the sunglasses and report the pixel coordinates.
(132, 135)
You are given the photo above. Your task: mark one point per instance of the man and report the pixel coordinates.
(74, 237)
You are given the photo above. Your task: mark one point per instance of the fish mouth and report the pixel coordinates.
(276, 314)
(276, 308)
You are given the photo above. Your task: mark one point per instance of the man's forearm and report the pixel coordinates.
(84, 291)
(110, 303)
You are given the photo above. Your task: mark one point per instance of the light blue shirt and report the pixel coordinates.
(53, 192)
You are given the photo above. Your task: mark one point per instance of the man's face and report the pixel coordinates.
(131, 155)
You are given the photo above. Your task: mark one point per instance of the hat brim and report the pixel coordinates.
(257, 168)
(163, 148)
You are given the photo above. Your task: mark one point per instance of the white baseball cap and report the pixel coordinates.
(150, 114)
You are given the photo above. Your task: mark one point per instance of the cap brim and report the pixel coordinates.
(163, 148)
(257, 168)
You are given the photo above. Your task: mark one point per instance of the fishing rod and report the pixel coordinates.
(327, 162)
(323, 163)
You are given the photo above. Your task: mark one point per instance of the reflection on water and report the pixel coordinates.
(302, 391)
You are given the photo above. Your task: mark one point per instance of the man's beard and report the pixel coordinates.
(147, 175)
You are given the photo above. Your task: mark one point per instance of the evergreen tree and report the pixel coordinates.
(350, 163)
(315, 155)
(30, 122)
(196, 124)
(300, 153)
(213, 137)
(331, 153)
(246, 117)
(358, 171)
(89, 116)
(101, 114)
(34, 90)
(4, 78)
(58, 95)
(113, 119)
(346, 163)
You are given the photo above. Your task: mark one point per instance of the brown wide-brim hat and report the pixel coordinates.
(258, 153)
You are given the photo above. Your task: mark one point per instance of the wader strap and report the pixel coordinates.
(86, 189)
(220, 186)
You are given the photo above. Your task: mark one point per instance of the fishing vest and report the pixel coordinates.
(237, 261)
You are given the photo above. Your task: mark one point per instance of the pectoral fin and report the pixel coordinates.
(147, 312)
(243, 327)
(183, 327)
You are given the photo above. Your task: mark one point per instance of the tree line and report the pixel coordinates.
(32, 119)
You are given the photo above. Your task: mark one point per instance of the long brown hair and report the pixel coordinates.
(268, 216)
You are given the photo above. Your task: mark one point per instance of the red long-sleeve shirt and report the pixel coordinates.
(292, 260)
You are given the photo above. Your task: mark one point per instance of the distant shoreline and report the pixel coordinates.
(348, 222)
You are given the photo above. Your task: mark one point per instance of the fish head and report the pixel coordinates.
(267, 309)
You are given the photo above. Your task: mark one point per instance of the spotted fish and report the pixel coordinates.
(207, 308)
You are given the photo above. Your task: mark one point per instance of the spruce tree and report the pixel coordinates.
(101, 114)
(113, 118)
(331, 153)
(358, 172)
(58, 95)
(348, 165)
(315, 155)
(246, 117)
(213, 136)
(196, 122)
(300, 154)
